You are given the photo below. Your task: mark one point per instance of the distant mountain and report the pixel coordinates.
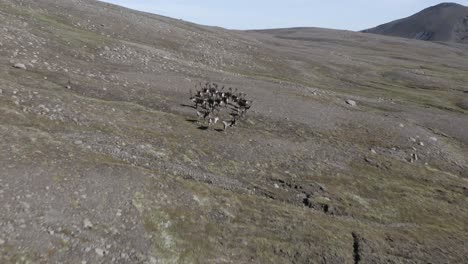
(446, 22)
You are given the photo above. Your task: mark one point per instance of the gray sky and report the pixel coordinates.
(256, 14)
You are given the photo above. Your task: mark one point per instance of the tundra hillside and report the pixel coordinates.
(354, 151)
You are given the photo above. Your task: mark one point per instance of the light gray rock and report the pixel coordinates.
(414, 157)
(351, 102)
(87, 224)
(20, 66)
(25, 205)
(153, 260)
(100, 252)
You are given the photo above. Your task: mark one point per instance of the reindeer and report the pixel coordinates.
(197, 101)
(213, 121)
(212, 98)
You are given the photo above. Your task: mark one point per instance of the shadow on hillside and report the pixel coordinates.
(190, 106)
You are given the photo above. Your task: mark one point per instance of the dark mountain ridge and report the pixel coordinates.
(446, 22)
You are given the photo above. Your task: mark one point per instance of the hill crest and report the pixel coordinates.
(445, 22)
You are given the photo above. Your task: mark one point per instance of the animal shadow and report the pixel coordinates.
(190, 106)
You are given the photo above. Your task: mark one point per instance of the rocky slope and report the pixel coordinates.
(100, 162)
(446, 22)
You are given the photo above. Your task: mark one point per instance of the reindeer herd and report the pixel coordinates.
(216, 105)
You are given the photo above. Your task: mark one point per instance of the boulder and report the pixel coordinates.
(20, 66)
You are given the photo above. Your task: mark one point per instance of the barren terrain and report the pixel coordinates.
(100, 162)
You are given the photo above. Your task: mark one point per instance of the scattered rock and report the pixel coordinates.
(371, 162)
(401, 125)
(421, 143)
(373, 151)
(414, 157)
(87, 224)
(321, 187)
(100, 252)
(431, 138)
(2, 242)
(25, 205)
(43, 107)
(20, 66)
(78, 142)
(351, 102)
